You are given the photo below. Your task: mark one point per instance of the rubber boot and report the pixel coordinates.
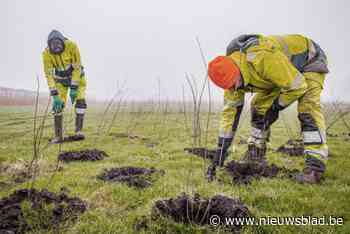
(255, 154)
(58, 126)
(312, 172)
(79, 122)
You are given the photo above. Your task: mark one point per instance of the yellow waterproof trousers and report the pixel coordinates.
(309, 113)
(312, 121)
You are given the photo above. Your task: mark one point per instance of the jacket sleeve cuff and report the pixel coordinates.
(74, 85)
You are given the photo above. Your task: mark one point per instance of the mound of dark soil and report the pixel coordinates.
(202, 152)
(244, 172)
(13, 218)
(292, 148)
(71, 138)
(83, 155)
(200, 211)
(132, 176)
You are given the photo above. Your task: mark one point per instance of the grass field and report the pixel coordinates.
(115, 207)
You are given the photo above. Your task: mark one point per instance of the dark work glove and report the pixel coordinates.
(57, 105)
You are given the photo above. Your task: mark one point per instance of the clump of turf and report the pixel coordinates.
(202, 211)
(29, 210)
(83, 155)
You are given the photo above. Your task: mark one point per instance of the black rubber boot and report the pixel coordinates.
(79, 122)
(58, 127)
(312, 172)
(255, 154)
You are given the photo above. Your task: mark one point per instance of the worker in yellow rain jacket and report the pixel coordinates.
(280, 70)
(63, 71)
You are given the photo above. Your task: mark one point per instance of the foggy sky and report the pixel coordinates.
(141, 41)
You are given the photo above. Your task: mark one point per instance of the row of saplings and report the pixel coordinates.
(30, 209)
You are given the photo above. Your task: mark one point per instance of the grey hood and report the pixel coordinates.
(242, 42)
(56, 34)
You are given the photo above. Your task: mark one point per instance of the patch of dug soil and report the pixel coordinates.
(202, 152)
(292, 148)
(83, 155)
(15, 219)
(244, 172)
(71, 138)
(133, 176)
(202, 211)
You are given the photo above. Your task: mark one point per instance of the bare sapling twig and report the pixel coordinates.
(42, 125)
(115, 114)
(341, 114)
(205, 82)
(103, 121)
(184, 109)
(34, 162)
(195, 126)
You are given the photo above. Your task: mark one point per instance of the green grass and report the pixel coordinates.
(114, 208)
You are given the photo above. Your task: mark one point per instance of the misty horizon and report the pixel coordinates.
(142, 43)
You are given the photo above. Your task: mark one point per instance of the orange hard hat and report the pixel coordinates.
(223, 72)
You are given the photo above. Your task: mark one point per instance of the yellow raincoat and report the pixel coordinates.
(280, 69)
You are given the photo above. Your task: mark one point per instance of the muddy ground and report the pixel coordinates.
(245, 172)
(198, 210)
(292, 148)
(83, 155)
(132, 176)
(202, 152)
(44, 210)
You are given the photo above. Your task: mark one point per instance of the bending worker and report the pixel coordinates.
(63, 71)
(280, 70)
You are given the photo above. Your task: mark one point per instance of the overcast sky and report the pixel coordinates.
(142, 41)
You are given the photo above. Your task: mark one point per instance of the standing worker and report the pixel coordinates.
(280, 70)
(63, 71)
